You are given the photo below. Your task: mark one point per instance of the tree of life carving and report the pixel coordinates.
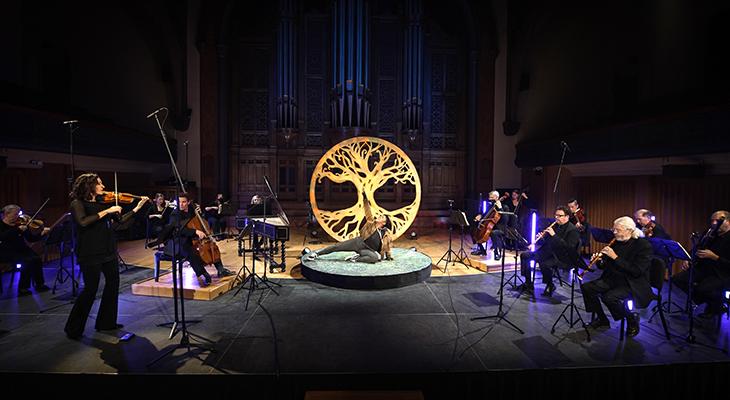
(368, 163)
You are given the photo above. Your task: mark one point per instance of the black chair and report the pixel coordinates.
(656, 280)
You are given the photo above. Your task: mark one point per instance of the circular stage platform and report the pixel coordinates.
(407, 268)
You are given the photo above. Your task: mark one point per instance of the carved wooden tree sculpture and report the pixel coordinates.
(368, 163)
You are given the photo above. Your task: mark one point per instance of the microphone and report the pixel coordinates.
(156, 111)
(565, 145)
(72, 121)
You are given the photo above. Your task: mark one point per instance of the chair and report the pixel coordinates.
(161, 256)
(656, 280)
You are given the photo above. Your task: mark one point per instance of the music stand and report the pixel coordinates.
(461, 220)
(669, 250)
(501, 315)
(575, 262)
(448, 254)
(520, 243)
(601, 235)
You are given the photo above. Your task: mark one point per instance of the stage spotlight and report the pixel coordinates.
(306, 250)
(413, 235)
(630, 305)
(18, 266)
(727, 295)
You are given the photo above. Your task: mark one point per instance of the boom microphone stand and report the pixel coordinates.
(177, 273)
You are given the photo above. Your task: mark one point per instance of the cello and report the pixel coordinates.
(484, 228)
(206, 247)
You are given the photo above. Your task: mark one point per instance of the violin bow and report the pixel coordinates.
(116, 193)
(36, 213)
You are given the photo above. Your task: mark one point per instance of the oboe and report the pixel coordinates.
(594, 260)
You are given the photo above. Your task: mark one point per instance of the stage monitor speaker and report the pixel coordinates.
(683, 171)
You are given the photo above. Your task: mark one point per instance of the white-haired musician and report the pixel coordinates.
(625, 265)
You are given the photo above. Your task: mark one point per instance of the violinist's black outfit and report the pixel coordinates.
(157, 224)
(711, 278)
(556, 251)
(215, 218)
(585, 230)
(657, 232)
(178, 222)
(625, 277)
(497, 234)
(96, 252)
(14, 250)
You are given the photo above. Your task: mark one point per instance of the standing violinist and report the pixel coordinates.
(96, 252)
(14, 250)
(495, 205)
(179, 220)
(711, 275)
(561, 241)
(646, 221)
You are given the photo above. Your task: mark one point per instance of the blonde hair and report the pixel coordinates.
(628, 223)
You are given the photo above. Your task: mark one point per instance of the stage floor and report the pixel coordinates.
(423, 328)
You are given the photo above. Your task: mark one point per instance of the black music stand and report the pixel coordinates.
(574, 312)
(450, 252)
(463, 223)
(668, 250)
(254, 281)
(520, 243)
(501, 315)
(601, 235)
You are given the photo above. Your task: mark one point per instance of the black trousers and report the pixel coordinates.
(197, 264)
(707, 288)
(31, 267)
(216, 223)
(611, 293)
(497, 237)
(545, 261)
(366, 254)
(108, 308)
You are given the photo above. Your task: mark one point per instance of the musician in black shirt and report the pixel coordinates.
(559, 249)
(711, 276)
(625, 275)
(96, 252)
(14, 250)
(158, 215)
(497, 234)
(180, 243)
(646, 222)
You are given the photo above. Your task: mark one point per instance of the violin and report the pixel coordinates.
(123, 198)
(35, 226)
(648, 229)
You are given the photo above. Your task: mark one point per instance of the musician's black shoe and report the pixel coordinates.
(632, 321)
(497, 257)
(23, 292)
(42, 288)
(115, 327)
(204, 279)
(599, 323)
(223, 272)
(479, 253)
(526, 287)
(549, 289)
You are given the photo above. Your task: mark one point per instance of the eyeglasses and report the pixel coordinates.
(560, 215)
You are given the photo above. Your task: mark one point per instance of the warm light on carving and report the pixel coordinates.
(368, 163)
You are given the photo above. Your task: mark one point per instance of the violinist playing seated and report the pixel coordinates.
(625, 275)
(158, 215)
(646, 221)
(178, 221)
(711, 276)
(216, 214)
(497, 234)
(579, 218)
(15, 230)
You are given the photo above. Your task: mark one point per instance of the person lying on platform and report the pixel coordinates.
(625, 275)
(371, 246)
(15, 250)
(711, 276)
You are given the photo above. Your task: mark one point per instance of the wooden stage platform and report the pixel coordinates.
(433, 243)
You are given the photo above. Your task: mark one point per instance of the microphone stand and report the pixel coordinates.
(560, 168)
(178, 292)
